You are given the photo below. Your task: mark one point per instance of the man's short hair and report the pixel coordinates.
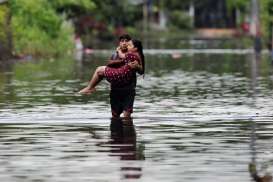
(125, 36)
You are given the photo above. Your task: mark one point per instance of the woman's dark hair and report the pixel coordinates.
(137, 44)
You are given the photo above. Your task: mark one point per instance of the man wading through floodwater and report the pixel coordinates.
(121, 73)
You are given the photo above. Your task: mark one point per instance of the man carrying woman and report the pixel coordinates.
(121, 72)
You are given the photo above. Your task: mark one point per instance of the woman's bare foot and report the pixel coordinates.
(87, 90)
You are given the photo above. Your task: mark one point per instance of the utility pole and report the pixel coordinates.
(272, 44)
(255, 26)
(145, 16)
(145, 22)
(162, 15)
(192, 13)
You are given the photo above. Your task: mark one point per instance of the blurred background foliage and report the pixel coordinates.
(38, 28)
(47, 28)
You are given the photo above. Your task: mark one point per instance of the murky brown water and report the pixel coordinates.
(196, 118)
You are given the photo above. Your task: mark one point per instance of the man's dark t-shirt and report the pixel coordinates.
(122, 98)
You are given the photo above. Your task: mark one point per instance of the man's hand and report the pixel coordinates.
(134, 65)
(114, 63)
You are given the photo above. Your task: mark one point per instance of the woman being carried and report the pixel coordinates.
(122, 72)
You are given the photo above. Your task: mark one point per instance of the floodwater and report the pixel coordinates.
(200, 117)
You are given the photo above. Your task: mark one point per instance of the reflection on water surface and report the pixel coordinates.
(197, 118)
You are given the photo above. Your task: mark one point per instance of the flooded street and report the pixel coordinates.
(200, 117)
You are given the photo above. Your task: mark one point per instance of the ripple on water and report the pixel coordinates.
(191, 123)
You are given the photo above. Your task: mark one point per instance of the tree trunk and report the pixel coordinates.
(5, 32)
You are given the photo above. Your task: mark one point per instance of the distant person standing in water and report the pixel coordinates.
(121, 73)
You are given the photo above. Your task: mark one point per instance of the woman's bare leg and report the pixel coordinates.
(96, 78)
(126, 114)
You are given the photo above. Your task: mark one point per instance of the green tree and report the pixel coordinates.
(5, 31)
(39, 30)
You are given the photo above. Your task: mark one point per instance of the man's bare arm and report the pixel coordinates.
(114, 62)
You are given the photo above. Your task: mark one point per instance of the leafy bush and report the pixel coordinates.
(38, 30)
(3, 14)
(5, 31)
(180, 19)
